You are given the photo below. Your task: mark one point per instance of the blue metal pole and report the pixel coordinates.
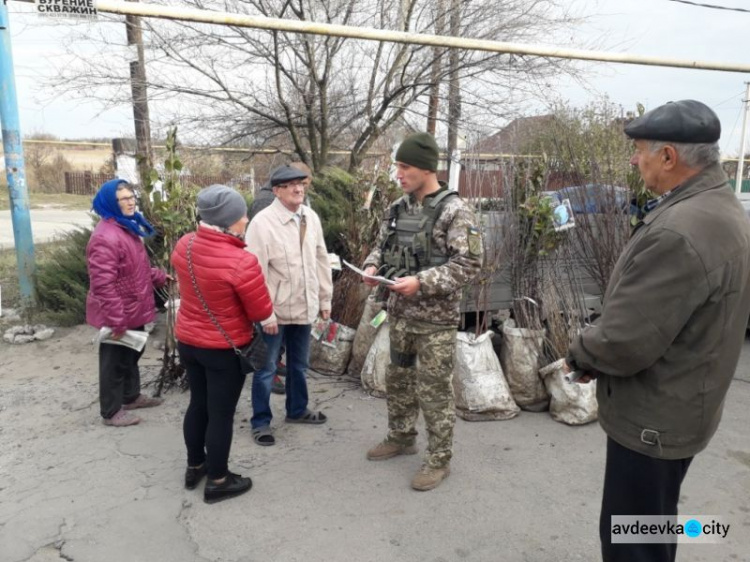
(14, 165)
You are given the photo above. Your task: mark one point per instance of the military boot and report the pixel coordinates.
(428, 478)
(384, 450)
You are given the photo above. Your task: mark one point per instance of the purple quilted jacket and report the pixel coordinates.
(122, 280)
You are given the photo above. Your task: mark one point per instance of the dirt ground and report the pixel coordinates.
(521, 490)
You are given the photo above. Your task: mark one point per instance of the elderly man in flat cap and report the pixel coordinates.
(673, 322)
(262, 200)
(287, 238)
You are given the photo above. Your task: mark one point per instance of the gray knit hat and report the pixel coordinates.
(221, 206)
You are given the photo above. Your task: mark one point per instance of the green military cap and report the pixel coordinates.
(419, 150)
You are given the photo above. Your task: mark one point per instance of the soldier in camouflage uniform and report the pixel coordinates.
(430, 245)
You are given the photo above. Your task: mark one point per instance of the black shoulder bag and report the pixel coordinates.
(253, 355)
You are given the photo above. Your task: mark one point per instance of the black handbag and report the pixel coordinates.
(253, 355)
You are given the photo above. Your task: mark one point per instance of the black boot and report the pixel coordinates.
(233, 485)
(193, 476)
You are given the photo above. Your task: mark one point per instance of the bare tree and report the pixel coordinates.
(45, 166)
(318, 93)
(588, 147)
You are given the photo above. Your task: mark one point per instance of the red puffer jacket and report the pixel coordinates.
(231, 282)
(122, 281)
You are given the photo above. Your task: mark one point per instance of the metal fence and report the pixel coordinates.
(489, 183)
(84, 183)
(88, 183)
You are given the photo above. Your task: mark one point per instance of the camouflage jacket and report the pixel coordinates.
(455, 233)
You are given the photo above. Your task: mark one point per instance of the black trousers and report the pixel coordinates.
(119, 377)
(636, 484)
(216, 381)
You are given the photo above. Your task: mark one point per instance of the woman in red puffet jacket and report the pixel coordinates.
(227, 281)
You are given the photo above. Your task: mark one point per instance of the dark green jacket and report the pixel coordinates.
(673, 321)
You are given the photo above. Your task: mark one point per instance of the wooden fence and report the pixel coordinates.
(88, 183)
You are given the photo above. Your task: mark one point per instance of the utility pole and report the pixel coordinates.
(454, 92)
(741, 159)
(432, 105)
(15, 170)
(139, 89)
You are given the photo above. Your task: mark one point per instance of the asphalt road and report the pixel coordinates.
(524, 490)
(46, 225)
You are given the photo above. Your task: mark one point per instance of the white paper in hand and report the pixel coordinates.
(134, 339)
(378, 278)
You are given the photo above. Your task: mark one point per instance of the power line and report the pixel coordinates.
(712, 6)
(734, 127)
(734, 97)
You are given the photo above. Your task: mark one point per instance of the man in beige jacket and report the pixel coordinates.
(262, 200)
(287, 238)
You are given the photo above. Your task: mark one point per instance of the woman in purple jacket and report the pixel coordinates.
(120, 297)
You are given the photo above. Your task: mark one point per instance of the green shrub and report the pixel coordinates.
(351, 209)
(62, 280)
(172, 212)
(333, 197)
(349, 225)
(249, 200)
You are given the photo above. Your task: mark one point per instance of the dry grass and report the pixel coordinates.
(81, 157)
(86, 158)
(53, 201)
(9, 272)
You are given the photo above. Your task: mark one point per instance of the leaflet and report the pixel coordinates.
(377, 278)
(134, 339)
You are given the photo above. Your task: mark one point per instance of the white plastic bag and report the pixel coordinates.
(376, 363)
(365, 336)
(331, 358)
(570, 403)
(479, 385)
(519, 356)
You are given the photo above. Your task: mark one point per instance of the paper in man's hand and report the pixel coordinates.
(377, 278)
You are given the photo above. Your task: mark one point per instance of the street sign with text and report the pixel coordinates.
(82, 9)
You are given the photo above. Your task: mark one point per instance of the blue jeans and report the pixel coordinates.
(296, 337)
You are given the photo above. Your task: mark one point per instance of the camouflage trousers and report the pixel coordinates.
(420, 376)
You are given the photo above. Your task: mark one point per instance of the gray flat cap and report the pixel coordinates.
(221, 206)
(686, 121)
(285, 174)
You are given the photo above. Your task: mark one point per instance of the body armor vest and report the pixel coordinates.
(408, 247)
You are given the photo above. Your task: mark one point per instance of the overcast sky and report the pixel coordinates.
(648, 27)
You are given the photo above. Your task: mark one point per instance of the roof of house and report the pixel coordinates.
(514, 136)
